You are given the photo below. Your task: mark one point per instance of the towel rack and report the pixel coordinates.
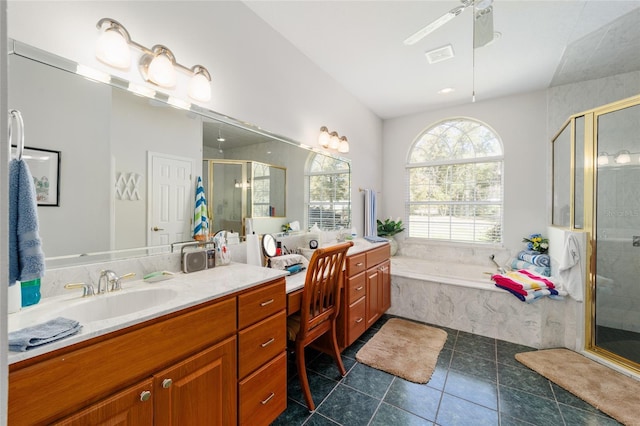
(15, 114)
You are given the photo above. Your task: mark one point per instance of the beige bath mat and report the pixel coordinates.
(607, 390)
(405, 349)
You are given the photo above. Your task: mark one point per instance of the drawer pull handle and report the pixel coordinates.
(359, 263)
(166, 383)
(359, 288)
(268, 302)
(145, 395)
(268, 398)
(359, 320)
(268, 342)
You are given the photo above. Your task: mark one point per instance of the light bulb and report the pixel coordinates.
(623, 157)
(113, 49)
(200, 88)
(323, 139)
(334, 141)
(161, 71)
(344, 145)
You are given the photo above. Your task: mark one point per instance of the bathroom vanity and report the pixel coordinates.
(219, 362)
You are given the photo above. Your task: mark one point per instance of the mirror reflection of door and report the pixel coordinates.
(171, 199)
(226, 188)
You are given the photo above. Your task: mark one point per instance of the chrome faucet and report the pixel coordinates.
(112, 282)
(107, 277)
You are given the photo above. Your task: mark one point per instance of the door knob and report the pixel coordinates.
(155, 228)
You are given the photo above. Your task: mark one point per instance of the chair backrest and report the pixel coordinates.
(321, 294)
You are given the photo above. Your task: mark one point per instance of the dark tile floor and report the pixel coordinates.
(477, 381)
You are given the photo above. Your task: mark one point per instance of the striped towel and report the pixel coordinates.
(526, 285)
(535, 257)
(523, 264)
(200, 219)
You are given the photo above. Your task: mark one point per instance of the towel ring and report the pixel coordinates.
(14, 113)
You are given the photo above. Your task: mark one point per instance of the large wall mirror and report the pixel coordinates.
(129, 162)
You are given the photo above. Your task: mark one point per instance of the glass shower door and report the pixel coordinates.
(616, 328)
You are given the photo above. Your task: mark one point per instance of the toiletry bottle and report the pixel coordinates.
(30, 292)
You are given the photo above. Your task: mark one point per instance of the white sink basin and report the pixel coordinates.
(93, 308)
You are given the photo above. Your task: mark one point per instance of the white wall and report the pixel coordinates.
(258, 76)
(520, 122)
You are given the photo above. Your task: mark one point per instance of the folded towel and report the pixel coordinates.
(373, 239)
(523, 264)
(527, 286)
(37, 335)
(287, 260)
(535, 257)
(26, 259)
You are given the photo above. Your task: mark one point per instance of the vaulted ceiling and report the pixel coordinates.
(541, 44)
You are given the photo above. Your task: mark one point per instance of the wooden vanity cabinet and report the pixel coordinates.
(262, 364)
(366, 293)
(180, 369)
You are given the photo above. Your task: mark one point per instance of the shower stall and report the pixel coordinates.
(600, 194)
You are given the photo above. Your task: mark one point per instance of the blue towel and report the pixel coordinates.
(523, 264)
(200, 218)
(535, 257)
(26, 259)
(37, 335)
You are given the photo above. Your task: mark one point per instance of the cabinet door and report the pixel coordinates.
(374, 295)
(132, 406)
(385, 272)
(200, 390)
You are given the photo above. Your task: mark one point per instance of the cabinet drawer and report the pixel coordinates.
(261, 303)
(356, 264)
(356, 288)
(377, 255)
(263, 395)
(260, 342)
(356, 324)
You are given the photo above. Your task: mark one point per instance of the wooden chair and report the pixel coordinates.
(319, 309)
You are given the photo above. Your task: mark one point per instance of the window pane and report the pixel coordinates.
(450, 200)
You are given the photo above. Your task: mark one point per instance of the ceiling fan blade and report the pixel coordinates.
(483, 27)
(420, 34)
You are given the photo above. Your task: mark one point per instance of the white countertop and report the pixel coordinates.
(192, 289)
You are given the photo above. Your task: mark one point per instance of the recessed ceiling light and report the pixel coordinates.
(440, 54)
(446, 90)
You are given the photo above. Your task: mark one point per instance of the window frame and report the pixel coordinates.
(409, 166)
(345, 204)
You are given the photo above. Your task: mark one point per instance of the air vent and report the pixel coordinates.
(440, 54)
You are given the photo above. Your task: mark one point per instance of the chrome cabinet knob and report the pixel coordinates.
(166, 383)
(145, 395)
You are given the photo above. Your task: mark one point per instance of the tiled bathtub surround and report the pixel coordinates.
(449, 286)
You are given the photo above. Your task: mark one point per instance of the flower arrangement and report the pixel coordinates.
(537, 242)
(389, 227)
(286, 228)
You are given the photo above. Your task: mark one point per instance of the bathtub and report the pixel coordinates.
(462, 296)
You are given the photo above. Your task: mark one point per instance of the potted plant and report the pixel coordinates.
(388, 229)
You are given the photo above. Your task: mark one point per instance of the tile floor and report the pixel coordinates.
(477, 381)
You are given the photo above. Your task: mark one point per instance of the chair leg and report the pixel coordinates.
(336, 349)
(302, 374)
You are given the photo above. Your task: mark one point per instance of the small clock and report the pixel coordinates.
(313, 244)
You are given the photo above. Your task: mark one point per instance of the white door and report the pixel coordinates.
(171, 195)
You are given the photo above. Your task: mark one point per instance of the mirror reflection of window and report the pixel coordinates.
(261, 186)
(329, 192)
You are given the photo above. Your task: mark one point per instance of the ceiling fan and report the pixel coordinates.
(482, 28)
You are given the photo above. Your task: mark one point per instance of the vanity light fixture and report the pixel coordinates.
(623, 157)
(333, 141)
(157, 65)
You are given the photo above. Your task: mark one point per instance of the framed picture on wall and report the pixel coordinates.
(44, 165)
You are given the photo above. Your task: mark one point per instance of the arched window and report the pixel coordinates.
(454, 183)
(329, 192)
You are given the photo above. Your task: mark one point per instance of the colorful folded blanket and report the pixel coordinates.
(535, 257)
(523, 264)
